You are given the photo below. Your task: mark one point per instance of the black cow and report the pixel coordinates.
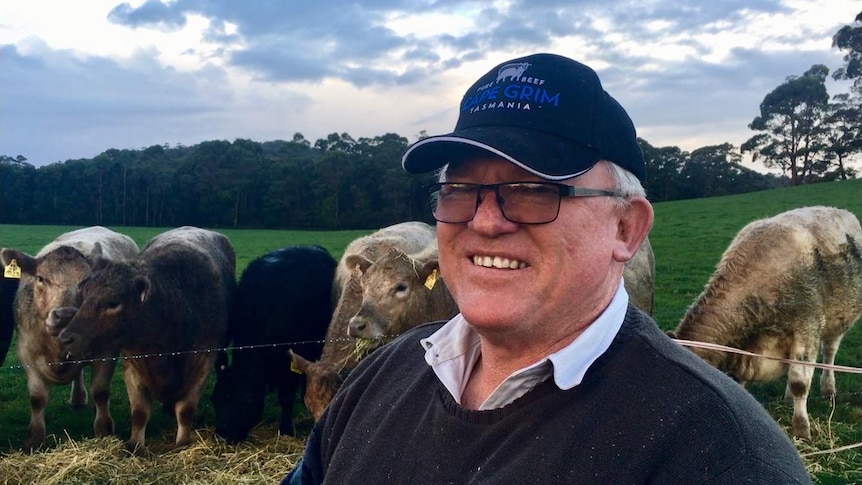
(283, 297)
(8, 288)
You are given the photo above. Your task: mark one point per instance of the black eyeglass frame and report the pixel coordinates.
(563, 190)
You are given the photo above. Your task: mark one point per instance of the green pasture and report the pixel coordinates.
(688, 238)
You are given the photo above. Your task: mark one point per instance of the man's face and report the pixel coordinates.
(564, 275)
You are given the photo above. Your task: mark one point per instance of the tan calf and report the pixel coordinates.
(47, 294)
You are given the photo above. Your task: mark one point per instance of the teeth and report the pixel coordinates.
(498, 262)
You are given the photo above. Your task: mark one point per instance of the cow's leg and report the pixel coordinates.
(798, 385)
(39, 390)
(827, 378)
(141, 404)
(186, 407)
(185, 410)
(78, 394)
(103, 372)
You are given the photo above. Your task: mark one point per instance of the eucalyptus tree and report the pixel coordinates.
(849, 39)
(664, 165)
(843, 135)
(790, 125)
(846, 115)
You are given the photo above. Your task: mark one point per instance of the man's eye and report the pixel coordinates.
(457, 189)
(537, 189)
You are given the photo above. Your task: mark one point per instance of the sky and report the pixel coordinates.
(80, 77)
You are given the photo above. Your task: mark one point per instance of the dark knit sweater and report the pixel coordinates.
(647, 411)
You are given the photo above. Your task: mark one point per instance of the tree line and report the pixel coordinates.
(339, 182)
(335, 183)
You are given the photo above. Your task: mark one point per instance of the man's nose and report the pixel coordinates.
(490, 200)
(489, 217)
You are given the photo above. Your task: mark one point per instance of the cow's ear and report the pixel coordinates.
(96, 253)
(142, 287)
(357, 261)
(97, 257)
(298, 363)
(24, 261)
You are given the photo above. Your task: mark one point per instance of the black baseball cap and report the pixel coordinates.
(546, 113)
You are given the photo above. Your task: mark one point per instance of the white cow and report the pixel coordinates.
(786, 287)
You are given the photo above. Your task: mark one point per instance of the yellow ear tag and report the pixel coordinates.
(431, 280)
(12, 270)
(293, 368)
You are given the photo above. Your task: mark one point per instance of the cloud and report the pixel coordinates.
(55, 101)
(687, 71)
(153, 13)
(290, 42)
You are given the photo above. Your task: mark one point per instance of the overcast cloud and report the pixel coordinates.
(77, 78)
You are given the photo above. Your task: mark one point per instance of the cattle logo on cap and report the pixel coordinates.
(512, 89)
(512, 71)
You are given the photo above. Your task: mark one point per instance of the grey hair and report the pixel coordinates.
(625, 182)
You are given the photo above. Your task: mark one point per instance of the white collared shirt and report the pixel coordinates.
(453, 350)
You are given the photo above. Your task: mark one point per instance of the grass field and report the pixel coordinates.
(688, 239)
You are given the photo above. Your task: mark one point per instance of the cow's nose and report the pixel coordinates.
(58, 319)
(356, 327)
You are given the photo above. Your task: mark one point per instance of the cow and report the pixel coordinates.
(283, 298)
(164, 312)
(49, 282)
(786, 287)
(341, 352)
(639, 278)
(399, 291)
(8, 288)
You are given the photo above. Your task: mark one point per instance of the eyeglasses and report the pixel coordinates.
(520, 202)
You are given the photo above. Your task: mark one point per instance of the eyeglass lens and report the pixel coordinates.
(523, 203)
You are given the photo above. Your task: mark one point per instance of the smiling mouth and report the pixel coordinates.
(498, 262)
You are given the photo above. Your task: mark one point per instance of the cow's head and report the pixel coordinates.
(238, 400)
(322, 380)
(394, 288)
(54, 276)
(112, 296)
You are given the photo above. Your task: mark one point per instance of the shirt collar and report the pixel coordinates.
(572, 362)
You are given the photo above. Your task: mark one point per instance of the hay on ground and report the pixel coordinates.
(266, 458)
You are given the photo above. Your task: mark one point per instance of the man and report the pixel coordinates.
(547, 375)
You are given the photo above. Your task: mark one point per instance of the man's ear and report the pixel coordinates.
(633, 227)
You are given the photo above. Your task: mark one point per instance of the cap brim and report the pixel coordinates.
(545, 155)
